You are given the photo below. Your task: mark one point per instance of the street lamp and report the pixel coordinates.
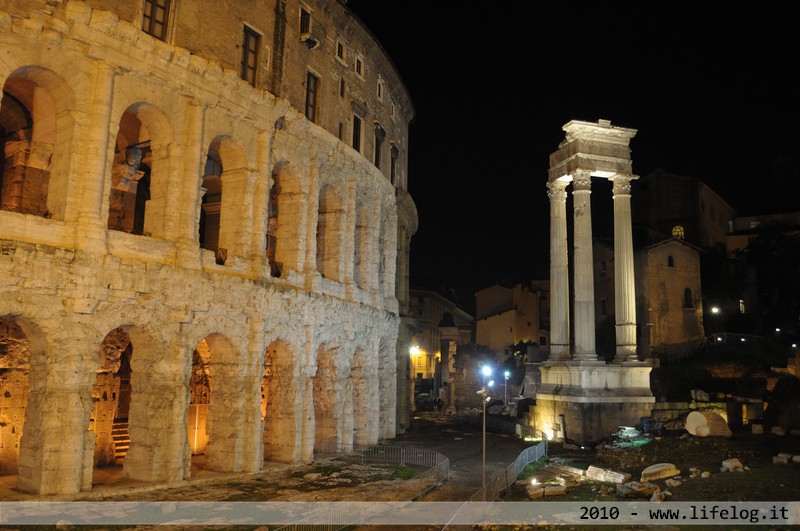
(505, 387)
(486, 371)
(484, 392)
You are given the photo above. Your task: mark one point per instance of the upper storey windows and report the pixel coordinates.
(360, 66)
(251, 41)
(305, 20)
(312, 96)
(155, 18)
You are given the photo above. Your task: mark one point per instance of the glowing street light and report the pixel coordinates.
(505, 387)
(486, 371)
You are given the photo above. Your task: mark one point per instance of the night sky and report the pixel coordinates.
(712, 94)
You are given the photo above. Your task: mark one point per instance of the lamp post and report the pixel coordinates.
(506, 374)
(484, 392)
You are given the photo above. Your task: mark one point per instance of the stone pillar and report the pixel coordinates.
(624, 286)
(186, 235)
(96, 145)
(583, 268)
(559, 275)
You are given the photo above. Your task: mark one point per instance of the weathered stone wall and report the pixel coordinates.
(79, 288)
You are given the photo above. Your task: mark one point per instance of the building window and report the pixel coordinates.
(341, 51)
(380, 89)
(360, 66)
(305, 20)
(741, 305)
(392, 109)
(687, 298)
(670, 261)
(250, 43)
(341, 131)
(341, 88)
(155, 18)
(312, 95)
(393, 168)
(356, 132)
(677, 232)
(380, 135)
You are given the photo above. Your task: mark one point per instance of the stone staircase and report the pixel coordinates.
(122, 440)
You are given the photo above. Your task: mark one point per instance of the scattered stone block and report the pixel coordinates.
(555, 490)
(660, 496)
(658, 471)
(796, 459)
(535, 492)
(777, 430)
(636, 489)
(606, 476)
(732, 465)
(780, 460)
(757, 429)
(707, 424)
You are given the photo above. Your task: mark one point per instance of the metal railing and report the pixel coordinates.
(502, 480)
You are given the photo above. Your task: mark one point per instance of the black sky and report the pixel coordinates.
(710, 88)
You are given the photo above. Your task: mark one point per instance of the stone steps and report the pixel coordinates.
(122, 441)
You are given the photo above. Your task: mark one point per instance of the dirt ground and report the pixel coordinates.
(337, 479)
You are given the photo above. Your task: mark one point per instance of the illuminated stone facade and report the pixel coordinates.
(204, 234)
(581, 398)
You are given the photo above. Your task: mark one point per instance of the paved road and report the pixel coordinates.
(463, 445)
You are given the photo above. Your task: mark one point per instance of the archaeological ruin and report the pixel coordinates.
(581, 398)
(204, 237)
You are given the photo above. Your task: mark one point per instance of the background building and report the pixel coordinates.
(441, 327)
(204, 234)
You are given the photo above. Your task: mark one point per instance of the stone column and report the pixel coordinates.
(559, 275)
(624, 286)
(583, 267)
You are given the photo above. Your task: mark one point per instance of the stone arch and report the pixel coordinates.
(158, 398)
(387, 251)
(359, 397)
(387, 388)
(111, 397)
(288, 204)
(36, 128)
(15, 359)
(330, 233)
(326, 395)
(221, 214)
(216, 403)
(281, 418)
(138, 198)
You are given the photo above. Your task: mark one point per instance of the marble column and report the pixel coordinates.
(559, 275)
(624, 286)
(583, 268)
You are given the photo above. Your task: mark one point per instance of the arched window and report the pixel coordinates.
(670, 261)
(677, 232)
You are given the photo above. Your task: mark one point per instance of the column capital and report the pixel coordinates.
(557, 191)
(581, 180)
(622, 183)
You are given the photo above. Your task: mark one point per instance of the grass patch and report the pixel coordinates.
(405, 472)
